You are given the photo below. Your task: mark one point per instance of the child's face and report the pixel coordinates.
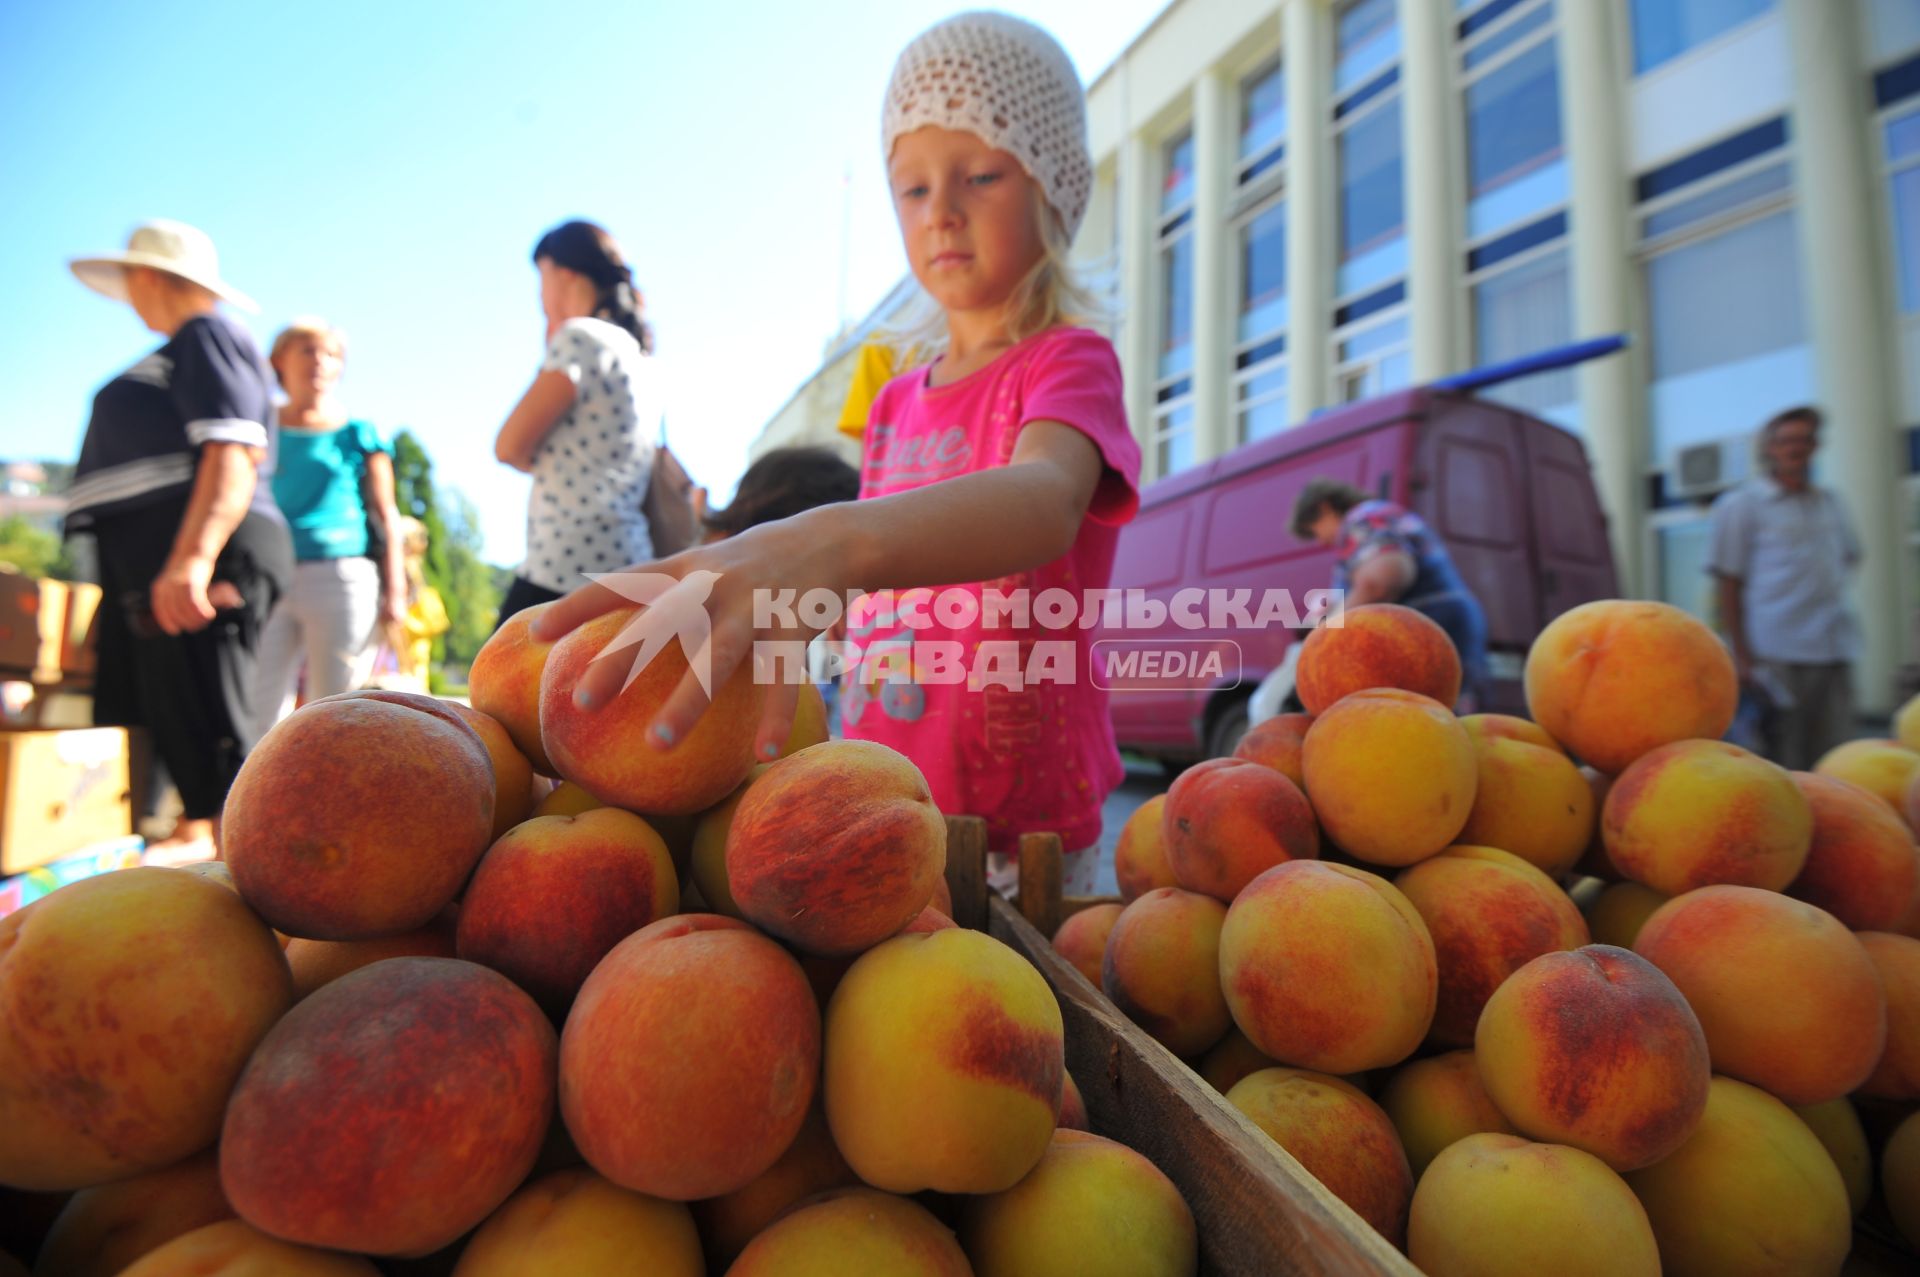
(969, 217)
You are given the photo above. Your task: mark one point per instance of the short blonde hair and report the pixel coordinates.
(413, 536)
(306, 326)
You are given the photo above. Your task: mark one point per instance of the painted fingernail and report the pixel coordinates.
(663, 733)
(585, 699)
(769, 750)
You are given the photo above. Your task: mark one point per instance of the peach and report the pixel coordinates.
(1276, 744)
(1910, 803)
(1596, 1049)
(1861, 866)
(512, 773)
(1090, 1206)
(360, 815)
(944, 1061)
(1489, 914)
(337, 1133)
(837, 847)
(1391, 776)
(1509, 727)
(1883, 767)
(131, 1002)
(1700, 812)
(1788, 998)
(1140, 856)
(1618, 913)
(1328, 967)
(942, 896)
(573, 1222)
(810, 1165)
(1342, 1138)
(928, 919)
(504, 684)
(1227, 820)
(105, 1228)
(1837, 1126)
(1231, 1059)
(809, 721)
(318, 962)
(1531, 801)
(1162, 968)
(1377, 645)
(709, 861)
(1496, 1205)
(1896, 1076)
(1615, 678)
(1082, 939)
(566, 799)
(689, 1059)
(1900, 1178)
(1750, 1191)
(854, 1230)
(1437, 1101)
(232, 1249)
(1073, 1107)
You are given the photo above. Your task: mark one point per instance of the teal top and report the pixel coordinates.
(319, 485)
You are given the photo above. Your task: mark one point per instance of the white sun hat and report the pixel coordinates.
(173, 247)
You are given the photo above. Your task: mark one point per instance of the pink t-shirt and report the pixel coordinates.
(1033, 752)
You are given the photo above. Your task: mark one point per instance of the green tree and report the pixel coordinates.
(33, 549)
(453, 567)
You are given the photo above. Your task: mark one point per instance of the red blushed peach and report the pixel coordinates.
(1509, 727)
(689, 1059)
(1328, 967)
(512, 773)
(810, 1165)
(318, 962)
(554, 896)
(1073, 1106)
(1082, 939)
(709, 860)
(566, 799)
(131, 1002)
(1162, 968)
(105, 1228)
(1700, 812)
(1613, 679)
(1596, 1049)
(1531, 801)
(1339, 1135)
(1437, 1101)
(1788, 998)
(232, 1249)
(606, 750)
(1140, 857)
(942, 896)
(1861, 866)
(928, 919)
(1489, 914)
(1228, 820)
(574, 1222)
(1232, 1059)
(338, 1132)
(360, 815)
(1391, 775)
(1883, 767)
(1617, 914)
(854, 1230)
(837, 847)
(1276, 744)
(1896, 1076)
(504, 684)
(1377, 645)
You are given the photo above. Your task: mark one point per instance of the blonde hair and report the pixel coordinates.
(306, 326)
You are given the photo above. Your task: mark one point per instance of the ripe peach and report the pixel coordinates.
(1509, 727)
(322, 807)
(131, 1001)
(1226, 820)
(1162, 968)
(1489, 914)
(928, 919)
(810, 1165)
(554, 896)
(1906, 724)
(1750, 1191)
(1140, 857)
(1090, 1206)
(1700, 812)
(1900, 1178)
(944, 1059)
(1082, 939)
(837, 847)
(233, 1249)
(1496, 1205)
(1617, 915)
(1391, 776)
(573, 1222)
(566, 799)
(504, 684)
(1596, 1049)
(1328, 967)
(512, 773)
(1788, 998)
(1896, 959)
(809, 721)
(338, 1134)
(1837, 1126)
(1883, 767)
(318, 962)
(1342, 1138)
(1231, 1059)
(1276, 744)
(1073, 1107)
(105, 1228)
(689, 1059)
(1436, 1101)
(709, 860)
(854, 1230)
(1531, 801)
(1862, 866)
(1377, 645)
(604, 750)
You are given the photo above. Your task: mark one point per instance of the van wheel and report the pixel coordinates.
(1227, 730)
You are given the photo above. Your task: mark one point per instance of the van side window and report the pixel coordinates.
(1474, 493)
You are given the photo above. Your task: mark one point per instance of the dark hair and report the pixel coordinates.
(588, 250)
(783, 483)
(1805, 412)
(1319, 493)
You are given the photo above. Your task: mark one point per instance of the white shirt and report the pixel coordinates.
(1792, 552)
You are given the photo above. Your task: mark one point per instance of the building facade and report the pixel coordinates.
(1300, 203)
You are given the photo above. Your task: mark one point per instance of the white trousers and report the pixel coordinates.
(326, 619)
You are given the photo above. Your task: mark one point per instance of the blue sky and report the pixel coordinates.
(391, 166)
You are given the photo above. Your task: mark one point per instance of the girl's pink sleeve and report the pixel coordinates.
(1075, 380)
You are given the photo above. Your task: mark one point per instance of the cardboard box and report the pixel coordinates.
(60, 792)
(77, 644)
(22, 890)
(33, 625)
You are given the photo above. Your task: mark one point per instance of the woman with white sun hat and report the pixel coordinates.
(193, 553)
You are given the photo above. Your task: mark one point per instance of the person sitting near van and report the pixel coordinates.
(1388, 554)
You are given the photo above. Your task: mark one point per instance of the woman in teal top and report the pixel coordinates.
(334, 482)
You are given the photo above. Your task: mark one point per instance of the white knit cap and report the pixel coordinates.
(1008, 83)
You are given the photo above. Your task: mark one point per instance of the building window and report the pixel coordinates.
(1521, 307)
(1176, 179)
(1260, 341)
(1516, 164)
(1173, 443)
(1371, 238)
(1900, 135)
(1366, 42)
(1893, 28)
(1173, 381)
(1263, 122)
(1373, 357)
(1665, 29)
